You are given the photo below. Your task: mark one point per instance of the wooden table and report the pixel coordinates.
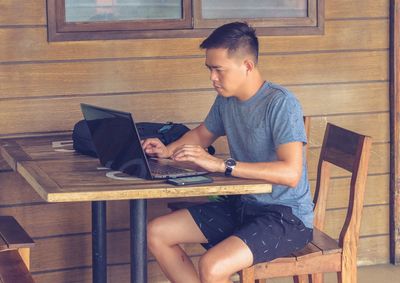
(59, 174)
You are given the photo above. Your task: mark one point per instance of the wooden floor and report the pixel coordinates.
(368, 274)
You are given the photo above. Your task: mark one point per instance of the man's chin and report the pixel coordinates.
(224, 94)
(221, 92)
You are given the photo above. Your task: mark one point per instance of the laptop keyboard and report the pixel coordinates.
(162, 169)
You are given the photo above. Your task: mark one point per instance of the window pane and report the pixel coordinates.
(120, 10)
(223, 9)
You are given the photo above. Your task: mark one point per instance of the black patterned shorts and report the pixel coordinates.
(270, 231)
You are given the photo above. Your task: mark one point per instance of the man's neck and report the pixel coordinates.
(253, 84)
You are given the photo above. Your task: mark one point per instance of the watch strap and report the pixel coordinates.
(228, 171)
(230, 163)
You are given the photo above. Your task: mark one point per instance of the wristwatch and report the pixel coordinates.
(230, 163)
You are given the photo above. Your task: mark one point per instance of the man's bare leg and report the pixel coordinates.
(218, 264)
(164, 234)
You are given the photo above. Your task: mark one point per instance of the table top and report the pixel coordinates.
(59, 174)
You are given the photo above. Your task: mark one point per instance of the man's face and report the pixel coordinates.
(227, 74)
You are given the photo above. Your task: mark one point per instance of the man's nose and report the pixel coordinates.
(213, 75)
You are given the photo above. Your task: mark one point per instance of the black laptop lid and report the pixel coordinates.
(116, 140)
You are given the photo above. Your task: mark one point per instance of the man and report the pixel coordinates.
(264, 126)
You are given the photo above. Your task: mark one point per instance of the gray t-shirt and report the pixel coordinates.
(255, 128)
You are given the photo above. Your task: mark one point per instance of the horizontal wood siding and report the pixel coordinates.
(340, 77)
(137, 75)
(30, 44)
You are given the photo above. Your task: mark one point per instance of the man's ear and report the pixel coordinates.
(249, 64)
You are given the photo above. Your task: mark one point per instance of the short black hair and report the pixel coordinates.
(233, 36)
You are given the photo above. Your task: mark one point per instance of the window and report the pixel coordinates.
(112, 19)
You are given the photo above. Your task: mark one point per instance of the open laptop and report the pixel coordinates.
(117, 142)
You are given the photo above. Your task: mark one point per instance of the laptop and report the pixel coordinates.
(117, 142)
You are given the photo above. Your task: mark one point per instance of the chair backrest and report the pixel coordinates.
(350, 151)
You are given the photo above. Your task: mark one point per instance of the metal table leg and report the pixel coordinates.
(138, 211)
(99, 242)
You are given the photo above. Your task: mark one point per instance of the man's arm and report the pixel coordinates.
(286, 170)
(198, 136)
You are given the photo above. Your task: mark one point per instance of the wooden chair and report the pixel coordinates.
(15, 246)
(349, 151)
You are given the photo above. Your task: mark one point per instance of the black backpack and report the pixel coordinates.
(166, 132)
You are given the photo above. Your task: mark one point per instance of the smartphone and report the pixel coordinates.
(190, 180)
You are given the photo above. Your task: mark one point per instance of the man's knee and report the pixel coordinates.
(210, 270)
(155, 233)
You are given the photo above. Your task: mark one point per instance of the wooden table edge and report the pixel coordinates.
(155, 193)
(25, 170)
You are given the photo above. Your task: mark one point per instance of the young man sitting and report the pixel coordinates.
(264, 126)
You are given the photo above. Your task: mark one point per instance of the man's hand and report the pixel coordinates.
(199, 156)
(155, 148)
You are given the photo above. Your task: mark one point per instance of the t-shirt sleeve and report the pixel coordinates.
(286, 121)
(213, 121)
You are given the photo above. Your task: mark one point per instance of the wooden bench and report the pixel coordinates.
(15, 246)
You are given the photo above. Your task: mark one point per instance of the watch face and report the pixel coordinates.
(230, 162)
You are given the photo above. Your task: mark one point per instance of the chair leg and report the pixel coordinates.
(343, 277)
(348, 273)
(339, 277)
(300, 278)
(317, 278)
(247, 275)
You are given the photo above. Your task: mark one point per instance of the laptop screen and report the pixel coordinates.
(116, 140)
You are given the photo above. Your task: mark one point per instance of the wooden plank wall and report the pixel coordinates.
(340, 77)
